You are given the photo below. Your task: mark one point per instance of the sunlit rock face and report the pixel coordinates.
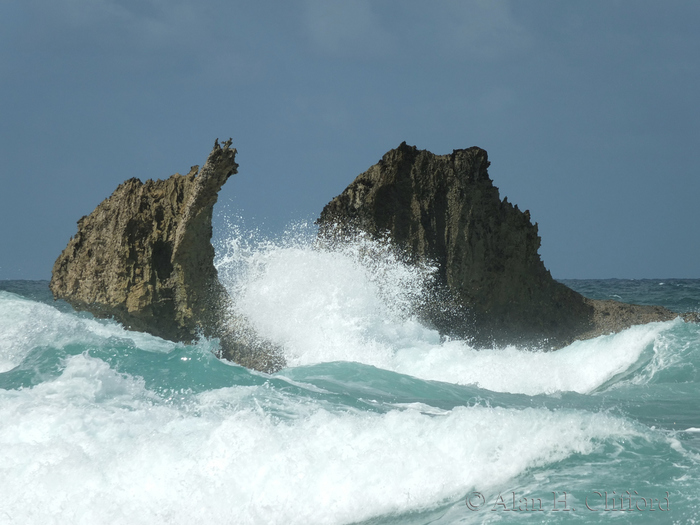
(144, 257)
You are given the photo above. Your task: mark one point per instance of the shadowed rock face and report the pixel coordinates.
(144, 257)
(493, 286)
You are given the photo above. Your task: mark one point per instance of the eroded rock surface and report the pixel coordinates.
(613, 316)
(493, 288)
(144, 257)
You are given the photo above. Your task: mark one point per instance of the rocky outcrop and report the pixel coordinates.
(492, 286)
(144, 257)
(613, 316)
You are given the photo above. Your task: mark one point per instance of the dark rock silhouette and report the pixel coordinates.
(492, 286)
(144, 257)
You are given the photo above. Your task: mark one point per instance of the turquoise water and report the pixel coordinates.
(376, 419)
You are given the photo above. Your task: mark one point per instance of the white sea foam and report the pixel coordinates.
(325, 306)
(26, 324)
(581, 367)
(94, 446)
(675, 355)
(350, 304)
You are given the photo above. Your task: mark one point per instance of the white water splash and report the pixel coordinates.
(343, 305)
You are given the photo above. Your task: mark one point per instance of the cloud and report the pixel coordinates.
(479, 29)
(444, 30)
(177, 40)
(342, 28)
(144, 24)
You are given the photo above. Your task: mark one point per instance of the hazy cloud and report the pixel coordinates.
(162, 38)
(476, 29)
(481, 29)
(153, 22)
(342, 28)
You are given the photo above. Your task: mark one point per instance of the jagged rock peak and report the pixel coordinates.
(445, 208)
(144, 255)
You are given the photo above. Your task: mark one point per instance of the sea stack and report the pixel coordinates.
(492, 286)
(144, 257)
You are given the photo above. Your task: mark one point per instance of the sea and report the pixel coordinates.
(376, 419)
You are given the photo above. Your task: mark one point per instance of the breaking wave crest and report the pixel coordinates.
(359, 302)
(376, 418)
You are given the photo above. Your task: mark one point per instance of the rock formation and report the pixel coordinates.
(144, 257)
(612, 316)
(493, 288)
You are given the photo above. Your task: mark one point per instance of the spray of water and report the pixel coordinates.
(359, 301)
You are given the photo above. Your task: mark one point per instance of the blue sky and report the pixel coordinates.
(589, 112)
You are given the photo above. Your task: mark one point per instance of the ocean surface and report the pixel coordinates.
(375, 420)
